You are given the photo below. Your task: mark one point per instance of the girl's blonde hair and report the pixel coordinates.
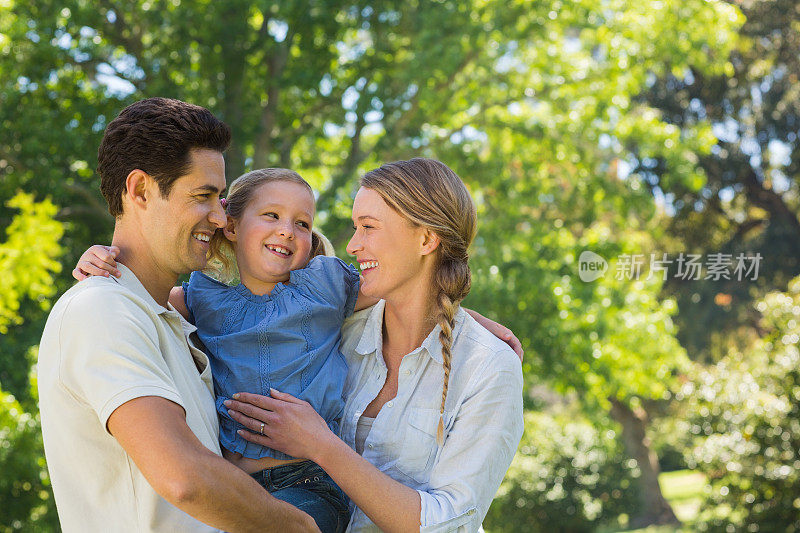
(222, 260)
(429, 194)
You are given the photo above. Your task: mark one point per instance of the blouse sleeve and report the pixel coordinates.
(478, 449)
(331, 280)
(203, 296)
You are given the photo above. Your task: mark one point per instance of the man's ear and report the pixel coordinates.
(138, 187)
(230, 230)
(430, 241)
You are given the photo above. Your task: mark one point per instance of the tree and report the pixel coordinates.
(748, 198)
(743, 416)
(532, 103)
(27, 265)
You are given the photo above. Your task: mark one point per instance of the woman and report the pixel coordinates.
(434, 402)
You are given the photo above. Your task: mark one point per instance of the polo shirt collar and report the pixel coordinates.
(129, 280)
(372, 338)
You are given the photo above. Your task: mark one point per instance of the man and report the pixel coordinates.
(126, 399)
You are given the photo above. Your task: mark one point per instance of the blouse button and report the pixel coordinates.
(370, 446)
(390, 404)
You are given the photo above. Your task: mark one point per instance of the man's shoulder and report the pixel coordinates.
(97, 302)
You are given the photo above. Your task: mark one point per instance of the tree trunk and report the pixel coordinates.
(656, 509)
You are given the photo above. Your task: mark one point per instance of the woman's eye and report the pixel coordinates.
(271, 215)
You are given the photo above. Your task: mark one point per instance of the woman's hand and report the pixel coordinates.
(290, 425)
(98, 260)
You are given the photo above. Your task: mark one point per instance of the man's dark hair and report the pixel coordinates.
(156, 136)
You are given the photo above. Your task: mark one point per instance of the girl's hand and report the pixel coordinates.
(290, 425)
(98, 260)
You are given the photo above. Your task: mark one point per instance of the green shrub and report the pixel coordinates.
(26, 501)
(745, 415)
(568, 475)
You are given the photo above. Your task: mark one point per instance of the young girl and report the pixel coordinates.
(277, 329)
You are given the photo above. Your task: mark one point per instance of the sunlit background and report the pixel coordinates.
(645, 132)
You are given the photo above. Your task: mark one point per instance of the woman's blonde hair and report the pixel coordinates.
(429, 194)
(222, 260)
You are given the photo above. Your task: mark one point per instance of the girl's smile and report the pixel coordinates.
(273, 235)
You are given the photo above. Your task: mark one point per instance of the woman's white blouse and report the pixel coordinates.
(482, 418)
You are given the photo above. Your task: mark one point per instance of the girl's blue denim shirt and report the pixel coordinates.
(287, 340)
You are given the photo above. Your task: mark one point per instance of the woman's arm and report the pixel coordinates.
(478, 448)
(294, 427)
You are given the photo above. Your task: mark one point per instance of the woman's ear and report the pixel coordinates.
(230, 229)
(430, 241)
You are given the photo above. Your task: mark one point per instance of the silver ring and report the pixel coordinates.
(262, 428)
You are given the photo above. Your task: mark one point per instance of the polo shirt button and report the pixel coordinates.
(408, 372)
(390, 404)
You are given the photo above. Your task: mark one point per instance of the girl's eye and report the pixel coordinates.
(303, 224)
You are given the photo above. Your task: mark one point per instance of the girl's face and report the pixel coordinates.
(273, 235)
(390, 250)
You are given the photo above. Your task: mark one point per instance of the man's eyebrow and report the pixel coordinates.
(210, 188)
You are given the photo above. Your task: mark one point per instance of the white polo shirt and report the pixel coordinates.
(106, 342)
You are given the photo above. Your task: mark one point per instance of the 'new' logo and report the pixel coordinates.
(591, 266)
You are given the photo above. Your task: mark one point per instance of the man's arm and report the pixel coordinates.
(153, 431)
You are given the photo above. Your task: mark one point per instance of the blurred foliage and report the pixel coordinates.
(745, 417)
(748, 199)
(26, 501)
(569, 475)
(27, 265)
(543, 108)
(27, 257)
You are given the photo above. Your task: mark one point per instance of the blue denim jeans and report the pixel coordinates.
(309, 488)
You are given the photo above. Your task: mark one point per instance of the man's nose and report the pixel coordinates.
(218, 217)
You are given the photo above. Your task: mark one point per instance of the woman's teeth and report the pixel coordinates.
(368, 264)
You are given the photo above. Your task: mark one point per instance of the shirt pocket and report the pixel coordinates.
(418, 450)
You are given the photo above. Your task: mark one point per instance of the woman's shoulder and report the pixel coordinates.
(353, 329)
(478, 346)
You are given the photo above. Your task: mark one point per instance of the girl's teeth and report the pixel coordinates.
(278, 249)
